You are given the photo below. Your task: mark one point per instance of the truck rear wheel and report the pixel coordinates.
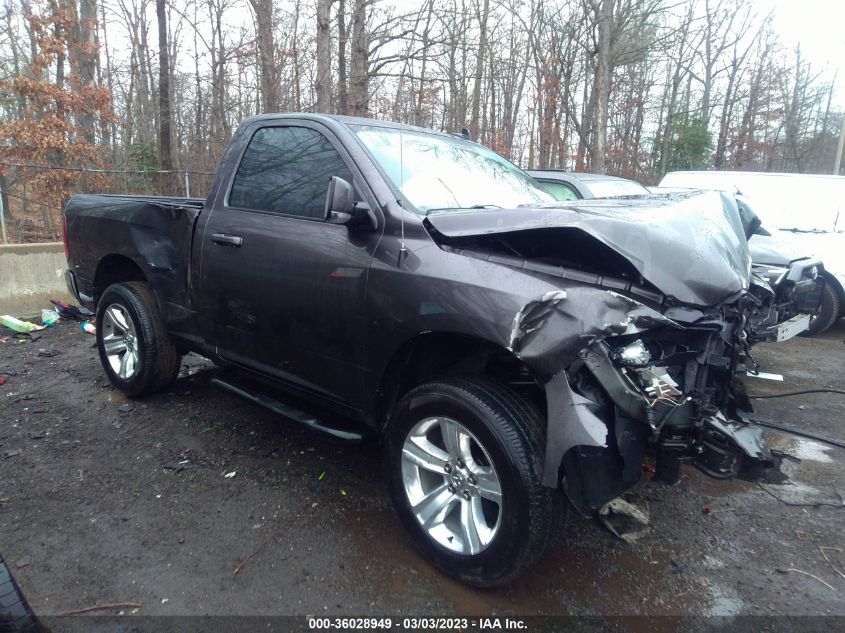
(135, 349)
(464, 458)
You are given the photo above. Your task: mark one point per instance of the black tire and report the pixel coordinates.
(514, 436)
(15, 614)
(828, 312)
(158, 359)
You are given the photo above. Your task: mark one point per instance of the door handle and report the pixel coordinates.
(227, 240)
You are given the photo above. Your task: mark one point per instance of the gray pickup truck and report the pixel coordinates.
(370, 279)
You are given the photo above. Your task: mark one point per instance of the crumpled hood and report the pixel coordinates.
(689, 245)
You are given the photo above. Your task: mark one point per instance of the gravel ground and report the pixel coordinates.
(106, 500)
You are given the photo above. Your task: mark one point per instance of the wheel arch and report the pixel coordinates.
(837, 283)
(113, 269)
(437, 354)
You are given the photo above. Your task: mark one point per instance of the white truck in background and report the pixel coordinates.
(803, 212)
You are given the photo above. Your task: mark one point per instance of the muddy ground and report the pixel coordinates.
(97, 506)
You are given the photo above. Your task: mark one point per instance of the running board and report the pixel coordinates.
(301, 417)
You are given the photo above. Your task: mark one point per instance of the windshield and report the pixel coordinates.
(439, 173)
(614, 188)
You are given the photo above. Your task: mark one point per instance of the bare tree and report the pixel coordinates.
(165, 136)
(324, 64)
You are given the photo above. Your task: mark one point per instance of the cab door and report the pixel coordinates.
(283, 290)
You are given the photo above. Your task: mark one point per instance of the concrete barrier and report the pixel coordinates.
(31, 275)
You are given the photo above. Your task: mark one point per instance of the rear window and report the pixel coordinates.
(615, 188)
(560, 190)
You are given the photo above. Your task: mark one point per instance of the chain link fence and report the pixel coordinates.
(31, 204)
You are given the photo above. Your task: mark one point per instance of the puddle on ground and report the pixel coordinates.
(809, 450)
(117, 397)
(574, 578)
(723, 600)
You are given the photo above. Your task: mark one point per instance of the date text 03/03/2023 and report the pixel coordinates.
(417, 624)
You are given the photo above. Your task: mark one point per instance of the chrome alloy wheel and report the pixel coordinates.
(120, 341)
(451, 485)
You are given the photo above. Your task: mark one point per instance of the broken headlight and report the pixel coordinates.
(635, 353)
(772, 274)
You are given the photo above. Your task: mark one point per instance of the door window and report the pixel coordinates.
(286, 170)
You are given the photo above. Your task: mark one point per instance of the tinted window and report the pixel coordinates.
(287, 170)
(561, 191)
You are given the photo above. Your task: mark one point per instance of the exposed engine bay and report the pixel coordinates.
(670, 391)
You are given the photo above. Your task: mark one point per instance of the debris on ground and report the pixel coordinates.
(88, 327)
(73, 312)
(24, 327)
(230, 475)
(806, 573)
(126, 408)
(178, 466)
(12, 452)
(102, 607)
(822, 549)
(48, 352)
(37, 435)
(2, 380)
(49, 317)
(624, 520)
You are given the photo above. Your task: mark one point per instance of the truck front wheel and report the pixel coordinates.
(135, 349)
(464, 458)
(828, 312)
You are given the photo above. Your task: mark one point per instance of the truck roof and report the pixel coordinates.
(343, 119)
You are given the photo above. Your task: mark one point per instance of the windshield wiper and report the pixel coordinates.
(475, 206)
(795, 229)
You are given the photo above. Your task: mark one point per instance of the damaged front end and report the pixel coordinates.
(669, 391)
(640, 346)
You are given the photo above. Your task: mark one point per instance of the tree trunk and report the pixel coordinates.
(359, 85)
(605, 16)
(342, 80)
(479, 68)
(86, 62)
(165, 149)
(266, 57)
(324, 64)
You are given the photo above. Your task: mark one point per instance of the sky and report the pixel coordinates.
(819, 27)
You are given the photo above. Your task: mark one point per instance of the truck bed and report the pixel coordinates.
(155, 233)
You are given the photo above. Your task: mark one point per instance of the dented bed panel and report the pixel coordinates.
(153, 232)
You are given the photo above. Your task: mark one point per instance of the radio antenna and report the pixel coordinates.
(401, 182)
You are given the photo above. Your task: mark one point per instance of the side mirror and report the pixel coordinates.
(341, 207)
(339, 201)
